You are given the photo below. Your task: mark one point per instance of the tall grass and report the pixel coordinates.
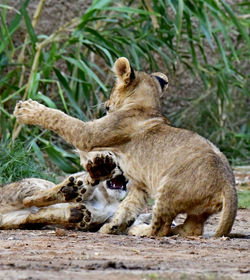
(17, 162)
(70, 69)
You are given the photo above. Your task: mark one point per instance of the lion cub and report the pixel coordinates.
(179, 169)
(83, 200)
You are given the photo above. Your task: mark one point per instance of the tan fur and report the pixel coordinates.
(181, 170)
(12, 195)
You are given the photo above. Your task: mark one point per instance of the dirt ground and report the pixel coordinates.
(57, 254)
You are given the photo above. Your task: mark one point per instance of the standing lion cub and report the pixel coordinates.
(179, 169)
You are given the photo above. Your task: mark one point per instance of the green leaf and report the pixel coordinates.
(34, 85)
(69, 94)
(57, 157)
(225, 33)
(99, 4)
(178, 21)
(236, 22)
(59, 91)
(3, 60)
(83, 66)
(15, 23)
(130, 10)
(30, 28)
(6, 37)
(9, 8)
(222, 51)
(191, 39)
(46, 100)
(37, 152)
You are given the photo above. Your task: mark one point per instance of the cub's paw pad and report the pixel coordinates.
(69, 192)
(80, 216)
(73, 189)
(101, 167)
(77, 213)
(81, 194)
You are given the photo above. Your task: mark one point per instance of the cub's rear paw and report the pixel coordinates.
(111, 228)
(140, 230)
(101, 167)
(81, 217)
(73, 189)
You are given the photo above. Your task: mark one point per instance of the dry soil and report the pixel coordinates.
(61, 254)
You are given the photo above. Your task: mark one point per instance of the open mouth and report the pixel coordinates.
(118, 183)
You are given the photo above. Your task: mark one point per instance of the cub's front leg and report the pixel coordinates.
(32, 112)
(85, 136)
(73, 188)
(127, 211)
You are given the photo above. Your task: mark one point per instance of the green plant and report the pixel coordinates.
(18, 161)
(244, 198)
(208, 38)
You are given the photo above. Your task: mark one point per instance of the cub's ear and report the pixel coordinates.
(123, 70)
(162, 80)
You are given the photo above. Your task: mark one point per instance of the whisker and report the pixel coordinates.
(99, 105)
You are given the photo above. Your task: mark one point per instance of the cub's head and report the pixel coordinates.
(135, 88)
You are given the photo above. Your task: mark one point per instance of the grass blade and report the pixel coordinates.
(83, 66)
(236, 22)
(30, 28)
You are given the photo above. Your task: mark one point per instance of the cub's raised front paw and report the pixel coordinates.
(101, 167)
(81, 217)
(73, 189)
(28, 112)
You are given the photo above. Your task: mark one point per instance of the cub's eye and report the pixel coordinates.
(107, 108)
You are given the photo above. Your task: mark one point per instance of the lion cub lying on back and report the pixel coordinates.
(181, 170)
(83, 200)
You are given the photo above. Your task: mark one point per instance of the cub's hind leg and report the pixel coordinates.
(161, 222)
(54, 214)
(14, 219)
(13, 194)
(167, 208)
(74, 215)
(13, 214)
(163, 216)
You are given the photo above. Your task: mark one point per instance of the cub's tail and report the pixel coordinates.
(230, 205)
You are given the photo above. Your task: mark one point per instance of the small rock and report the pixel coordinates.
(60, 232)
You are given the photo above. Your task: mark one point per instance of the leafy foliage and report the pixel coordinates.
(208, 38)
(17, 161)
